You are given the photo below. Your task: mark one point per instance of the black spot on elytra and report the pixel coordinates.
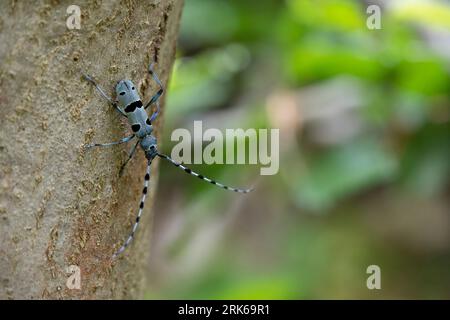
(148, 121)
(132, 106)
(122, 93)
(135, 127)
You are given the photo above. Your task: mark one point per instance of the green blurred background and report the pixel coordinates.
(364, 153)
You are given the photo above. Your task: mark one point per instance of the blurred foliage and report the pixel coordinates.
(377, 195)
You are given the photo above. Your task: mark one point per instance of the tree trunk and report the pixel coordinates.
(63, 208)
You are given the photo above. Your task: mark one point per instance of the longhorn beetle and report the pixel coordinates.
(129, 105)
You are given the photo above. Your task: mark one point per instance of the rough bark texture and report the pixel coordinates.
(60, 205)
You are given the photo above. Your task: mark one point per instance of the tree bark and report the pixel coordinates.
(61, 206)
